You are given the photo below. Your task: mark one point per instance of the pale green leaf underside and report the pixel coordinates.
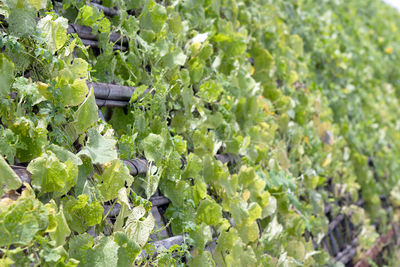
(99, 149)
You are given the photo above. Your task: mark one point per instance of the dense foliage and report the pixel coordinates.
(305, 92)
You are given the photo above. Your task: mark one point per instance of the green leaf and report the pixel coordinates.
(79, 69)
(6, 75)
(204, 259)
(80, 214)
(94, 18)
(71, 81)
(84, 171)
(199, 190)
(296, 249)
(113, 178)
(249, 232)
(209, 212)
(193, 166)
(38, 4)
(22, 219)
(128, 249)
(105, 253)
(31, 137)
(61, 231)
(22, 18)
(153, 146)
(226, 243)
(264, 64)
(54, 31)
(254, 211)
(28, 90)
(7, 144)
(239, 210)
(87, 114)
(63, 155)
(99, 149)
(210, 91)
(93, 213)
(153, 178)
(153, 17)
(201, 236)
(100, 252)
(49, 174)
(175, 191)
(175, 58)
(80, 246)
(270, 208)
(73, 92)
(9, 180)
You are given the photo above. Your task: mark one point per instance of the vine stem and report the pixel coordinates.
(109, 211)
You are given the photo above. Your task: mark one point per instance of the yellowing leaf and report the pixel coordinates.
(38, 4)
(54, 31)
(209, 212)
(137, 228)
(113, 178)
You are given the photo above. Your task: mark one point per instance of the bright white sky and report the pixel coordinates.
(395, 3)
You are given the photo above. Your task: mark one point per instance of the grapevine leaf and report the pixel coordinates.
(210, 90)
(8, 178)
(201, 236)
(175, 58)
(32, 139)
(92, 213)
(73, 93)
(153, 17)
(105, 253)
(38, 4)
(128, 249)
(71, 82)
(209, 212)
(7, 144)
(199, 190)
(94, 18)
(113, 178)
(296, 249)
(61, 230)
(138, 226)
(203, 259)
(6, 75)
(100, 252)
(80, 214)
(87, 114)
(49, 174)
(54, 31)
(249, 232)
(20, 221)
(79, 69)
(63, 155)
(153, 146)
(272, 231)
(99, 149)
(21, 18)
(124, 211)
(254, 211)
(153, 178)
(80, 246)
